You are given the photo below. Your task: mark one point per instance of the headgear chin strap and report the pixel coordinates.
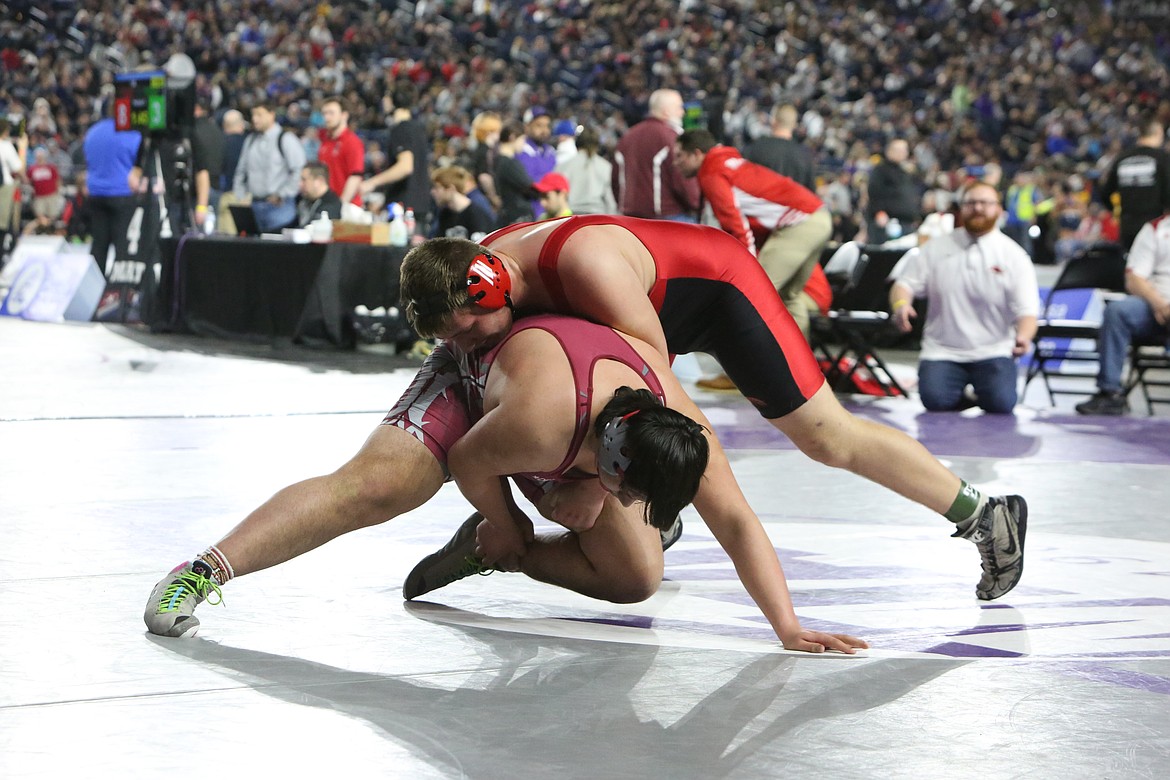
(610, 458)
(488, 282)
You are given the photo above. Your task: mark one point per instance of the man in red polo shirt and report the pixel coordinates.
(342, 151)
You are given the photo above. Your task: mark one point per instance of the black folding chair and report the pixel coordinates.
(1149, 368)
(1098, 267)
(860, 315)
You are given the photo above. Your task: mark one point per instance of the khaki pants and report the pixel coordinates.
(788, 257)
(8, 208)
(51, 207)
(223, 217)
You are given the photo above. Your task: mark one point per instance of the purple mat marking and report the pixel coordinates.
(1111, 603)
(1124, 677)
(798, 565)
(961, 650)
(1059, 437)
(1009, 627)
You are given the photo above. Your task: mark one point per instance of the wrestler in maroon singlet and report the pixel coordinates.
(446, 398)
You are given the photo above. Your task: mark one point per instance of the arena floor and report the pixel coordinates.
(123, 454)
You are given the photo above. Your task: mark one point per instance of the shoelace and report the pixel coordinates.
(201, 586)
(471, 565)
(991, 564)
(987, 549)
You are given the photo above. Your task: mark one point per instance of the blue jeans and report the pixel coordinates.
(941, 384)
(1126, 320)
(272, 218)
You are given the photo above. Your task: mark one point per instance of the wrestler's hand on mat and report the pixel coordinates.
(820, 642)
(576, 505)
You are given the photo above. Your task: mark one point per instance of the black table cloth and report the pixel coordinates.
(257, 289)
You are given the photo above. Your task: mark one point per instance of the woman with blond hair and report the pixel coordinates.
(485, 129)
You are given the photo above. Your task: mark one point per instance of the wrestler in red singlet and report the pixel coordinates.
(711, 296)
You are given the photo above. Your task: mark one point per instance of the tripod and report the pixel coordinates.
(164, 210)
(176, 200)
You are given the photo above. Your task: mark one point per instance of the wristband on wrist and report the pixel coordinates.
(900, 303)
(200, 209)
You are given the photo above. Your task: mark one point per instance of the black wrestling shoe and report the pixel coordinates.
(456, 560)
(672, 534)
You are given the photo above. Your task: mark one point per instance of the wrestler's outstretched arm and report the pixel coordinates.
(725, 510)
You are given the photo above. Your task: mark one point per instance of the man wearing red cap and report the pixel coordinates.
(554, 195)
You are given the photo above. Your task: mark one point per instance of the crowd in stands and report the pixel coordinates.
(1032, 95)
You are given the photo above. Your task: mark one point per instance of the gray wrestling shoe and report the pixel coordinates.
(173, 600)
(456, 560)
(998, 532)
(672, 534)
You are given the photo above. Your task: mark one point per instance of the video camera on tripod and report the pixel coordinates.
(159, 102)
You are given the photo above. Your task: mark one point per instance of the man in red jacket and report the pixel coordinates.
(780, 222)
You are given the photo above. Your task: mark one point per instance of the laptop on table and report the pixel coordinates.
(245, 219)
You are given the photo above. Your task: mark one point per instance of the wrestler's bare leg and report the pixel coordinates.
(826, 432)
(619, 559)
(391, 474)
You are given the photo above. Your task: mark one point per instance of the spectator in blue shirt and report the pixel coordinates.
(109, 156)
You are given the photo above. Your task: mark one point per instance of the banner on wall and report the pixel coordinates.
(53, 284)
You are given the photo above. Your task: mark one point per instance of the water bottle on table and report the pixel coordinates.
(399, 235)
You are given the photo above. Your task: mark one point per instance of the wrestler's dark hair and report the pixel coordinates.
(433, 282)
(668, 453)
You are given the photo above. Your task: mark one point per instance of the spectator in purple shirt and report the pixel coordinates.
(536, 154)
